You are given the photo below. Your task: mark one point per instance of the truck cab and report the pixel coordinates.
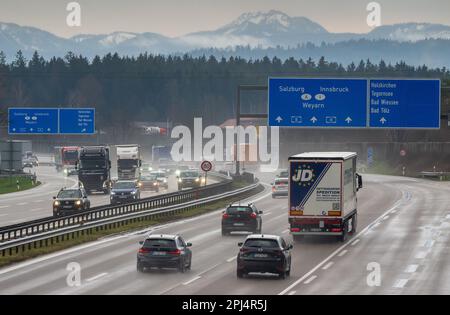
(93, 168)
(322, 193)
(128, 162)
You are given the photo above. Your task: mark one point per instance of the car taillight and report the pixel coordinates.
(225, 216)
(296, 230)
(336, 230)
(253, 215)
(144, 251)
(273, 188)
(176, 252)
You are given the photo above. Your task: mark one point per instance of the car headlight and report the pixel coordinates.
(133, 192)
(180, 180)
(112, 193)
(155, 184)
(177, 172)
(66, 171)
(140, 184)
(197, 179)
(203, 180)
(78, 203)
(56, 203)
(165, 180)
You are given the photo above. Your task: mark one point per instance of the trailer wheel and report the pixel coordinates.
(354, 224)
(344, 235)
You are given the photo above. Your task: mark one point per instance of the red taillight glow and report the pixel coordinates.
(336, 230)
(273, 188)
(253, 215)
(175, 252)
(225, 216)
(296, 230)
(144, 251)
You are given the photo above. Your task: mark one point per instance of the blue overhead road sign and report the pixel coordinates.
(33, 121)
(360, 103)
(318, 102)
(405, 103)
(77, 120)
(51, 121)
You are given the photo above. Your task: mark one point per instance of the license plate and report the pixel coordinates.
(122, 197)
(159, 253)
(261, 255)
(238, 224)
(316, 230)
(67, 207)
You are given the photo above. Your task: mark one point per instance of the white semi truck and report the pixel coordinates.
(128, 162)
(323, 190)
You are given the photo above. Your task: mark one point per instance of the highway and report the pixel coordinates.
(36, 203)
(403, 227)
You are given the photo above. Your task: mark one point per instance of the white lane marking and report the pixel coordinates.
(337, 251)
(40, 200)
(292, 292)
(356, 242)
(342, 253)
(421, 255)
(310, 280)
(231, 259)
(36, 210)
(22, 204)
(285, 231)
(112, 239)
(268, 213)
(192, 280)
(399, 284)
(385, 218)
(327, 266)
(3, 207)
(376, 224)
(97, 277)
(411, 268)
(393, 211)
(429, 243)
(447, 217)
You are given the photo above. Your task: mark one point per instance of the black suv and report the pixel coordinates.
(264, 254)
(239, 218)
(70, 200)
(164, 251)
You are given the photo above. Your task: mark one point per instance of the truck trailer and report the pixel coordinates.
(65, 159)
(128, 162)
(323, 190)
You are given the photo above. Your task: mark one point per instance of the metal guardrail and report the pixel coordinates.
(438, 175)
(41, 233)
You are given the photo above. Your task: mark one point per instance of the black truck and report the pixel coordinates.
(94, 167)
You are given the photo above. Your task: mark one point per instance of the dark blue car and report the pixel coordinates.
(125, 191)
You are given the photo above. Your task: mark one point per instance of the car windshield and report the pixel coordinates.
(189, 174)
(159, 174)
(69, 194)
(92, 164)
(124, 185)
(239, 210)
(148, 177)
(264, 243)
(160, 243)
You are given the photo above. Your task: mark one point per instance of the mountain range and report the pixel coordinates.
(258, 30)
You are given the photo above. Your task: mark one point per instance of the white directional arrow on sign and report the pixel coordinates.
(349, 120)
(314, 120)
(279, 119)
(383, 120)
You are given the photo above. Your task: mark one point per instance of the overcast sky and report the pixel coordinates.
(178, 17)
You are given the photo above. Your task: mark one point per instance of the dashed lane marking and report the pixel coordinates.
(192, 280)
(327, 266)
(310, 280)
(399, 284)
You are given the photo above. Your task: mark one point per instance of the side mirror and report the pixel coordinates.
(54, 197)
(359, 182)
(189, 245)
(260, 212)
(290, 246)
(240, 244)
(141, 243)
(272, 183)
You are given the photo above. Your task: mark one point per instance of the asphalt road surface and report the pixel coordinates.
(403, 231)
(37, 203)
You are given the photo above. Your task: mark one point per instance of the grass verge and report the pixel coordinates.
(135, 226)
(9, 184)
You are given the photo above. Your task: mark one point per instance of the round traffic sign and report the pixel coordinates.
(206, 166)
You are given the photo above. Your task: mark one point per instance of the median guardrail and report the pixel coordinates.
(40, 233)
(435, 175)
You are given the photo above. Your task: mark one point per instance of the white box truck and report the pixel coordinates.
(128, 162)
(322, 194)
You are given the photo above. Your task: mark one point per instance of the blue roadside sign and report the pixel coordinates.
(36, 121)
(354, 103)
(317, 102)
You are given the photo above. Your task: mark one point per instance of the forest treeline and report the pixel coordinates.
(159, 88)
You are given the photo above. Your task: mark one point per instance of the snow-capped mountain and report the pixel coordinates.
(258, 29)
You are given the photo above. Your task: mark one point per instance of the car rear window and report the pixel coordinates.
(264, 243)
(239, 210)
(281, 182)
(160, 243)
